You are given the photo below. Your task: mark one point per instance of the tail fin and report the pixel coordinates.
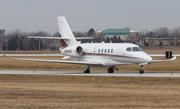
(65, 31)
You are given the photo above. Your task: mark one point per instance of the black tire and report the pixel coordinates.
(87, 71)
(141, 71)
(110, 70)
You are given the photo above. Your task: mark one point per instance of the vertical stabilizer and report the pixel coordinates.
(65, 31)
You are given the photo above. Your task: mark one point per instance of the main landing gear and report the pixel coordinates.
(111, 69)
(141, 71)
(87, 69)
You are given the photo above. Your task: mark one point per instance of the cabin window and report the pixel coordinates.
(105, 51)
(108, 50)
(128, 49)
(102, 51)
(99, 51)
(135, 49)
(111, 50)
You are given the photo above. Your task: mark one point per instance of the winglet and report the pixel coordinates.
(172, 59)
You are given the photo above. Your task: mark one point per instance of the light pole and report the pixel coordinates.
(39, 44)
(6, 45)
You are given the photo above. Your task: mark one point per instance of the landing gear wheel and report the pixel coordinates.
(141, 71)
(87, 71)
(110, 70)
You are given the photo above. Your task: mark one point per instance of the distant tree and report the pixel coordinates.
(13, 43)
(175, 32)
(146, 44)
(56, 34)
(115, 39)
(107, 40)
(79, 34)
(91, 32)
(161, 45)
(162, 32)
(120, 40)
(4, 46)
(32, 44)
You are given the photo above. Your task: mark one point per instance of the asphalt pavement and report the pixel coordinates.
(80, 73)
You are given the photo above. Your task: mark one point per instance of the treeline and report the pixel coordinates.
(22, 43)
(18, 40)
(162, 32)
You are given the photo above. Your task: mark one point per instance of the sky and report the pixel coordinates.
(41, 15)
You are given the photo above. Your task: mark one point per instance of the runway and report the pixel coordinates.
(80, 73)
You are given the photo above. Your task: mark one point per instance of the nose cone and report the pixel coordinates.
(148, 58)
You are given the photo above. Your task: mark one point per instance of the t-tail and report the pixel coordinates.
(65, 32)
(66, 36)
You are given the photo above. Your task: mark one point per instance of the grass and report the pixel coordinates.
(83, 92)
(158, 50)
(6, 63)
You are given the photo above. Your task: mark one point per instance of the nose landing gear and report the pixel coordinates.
(87, 69)
(141, 71)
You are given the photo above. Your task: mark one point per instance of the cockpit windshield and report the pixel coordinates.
(134, 49)
(140, 49)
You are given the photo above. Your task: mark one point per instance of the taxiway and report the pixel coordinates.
(80, 73)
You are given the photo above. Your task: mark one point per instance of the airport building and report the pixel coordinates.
(125, 34)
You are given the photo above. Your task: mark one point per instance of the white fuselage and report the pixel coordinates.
(109, 54)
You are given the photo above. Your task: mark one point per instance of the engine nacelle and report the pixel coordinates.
(79, 50)
(73, 51)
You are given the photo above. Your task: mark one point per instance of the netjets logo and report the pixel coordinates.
(68, 51)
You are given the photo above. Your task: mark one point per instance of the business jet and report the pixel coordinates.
(98, 55)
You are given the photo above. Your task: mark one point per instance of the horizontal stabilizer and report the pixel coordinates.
(174, 58)
(58, 61)
(85, 37)
(40, 37)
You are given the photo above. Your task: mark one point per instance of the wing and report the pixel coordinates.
(174, 58)
(58, 61)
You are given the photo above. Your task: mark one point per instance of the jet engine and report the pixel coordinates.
(73, 51)
(79, 50)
